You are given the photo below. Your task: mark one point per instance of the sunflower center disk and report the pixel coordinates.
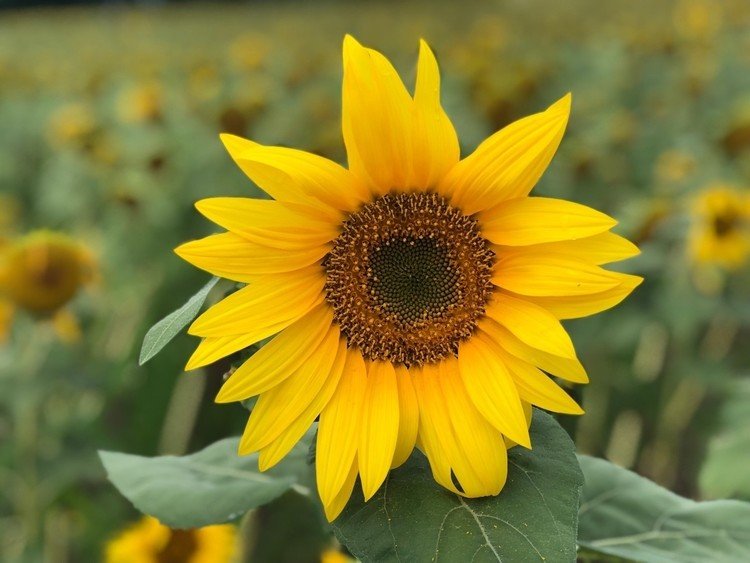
(408, 278)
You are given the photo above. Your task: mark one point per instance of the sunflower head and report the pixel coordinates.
(148, 541)
(720, 233)
(141, 103)
(414, 298)
(42, 271)
(72, 125)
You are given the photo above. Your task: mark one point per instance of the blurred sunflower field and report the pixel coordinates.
(109, 124)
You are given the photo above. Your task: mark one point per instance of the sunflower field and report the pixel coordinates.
(275, 287)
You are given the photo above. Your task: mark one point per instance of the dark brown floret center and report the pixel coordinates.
(408, 278)
(725, 223)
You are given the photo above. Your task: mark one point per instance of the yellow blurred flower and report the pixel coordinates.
(249, 51)
(40, 273)
(674, 166)
(148, 541)
(698, 20)
(721, 229)
(72, 124)
(141, 103)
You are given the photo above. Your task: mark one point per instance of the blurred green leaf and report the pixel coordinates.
(412, 518)
(625, 515)
(212, 486)
(725, 472)
(170, 326)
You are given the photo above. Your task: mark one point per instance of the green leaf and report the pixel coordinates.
(625, 515)
(725, 472)
(170, 326)
(212, 486)
(412, 518)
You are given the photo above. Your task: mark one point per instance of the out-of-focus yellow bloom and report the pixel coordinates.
(149, 541)
(204, 82)
(698, 20)
(141, 103)
(40, 273)
(674, 166)
(248, 52)
(72, 124)
(721, 229)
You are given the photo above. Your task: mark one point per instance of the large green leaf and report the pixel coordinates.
(725, 472)
(625, 515)
(212, 486)
(412, 518)
(170, 326)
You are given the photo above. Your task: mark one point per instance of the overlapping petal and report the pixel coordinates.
(535, 220)
(339, 428)
(509, 163)
(457, 440)
(233, 257)
(271, 223)
(411, 143)
(379, 426)
(278, 407)
(278, 359)
(543, 274)
(262, 306)
(295, 176)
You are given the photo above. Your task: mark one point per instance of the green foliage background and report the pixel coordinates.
(661, 110)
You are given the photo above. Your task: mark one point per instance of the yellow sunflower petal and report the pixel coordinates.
(216, 348)
(377, 119)
(541, 274)
(603, 248)
(528, 411)
(509, 163)
(458, 437)
(334, 508)
(270, 223)
(338, 429)
(262, 306)
(574, 307)
(565, 368)
(280, 406)
(492, 389)
(532, 324)
(278, 359)
(482, 446)
(379, 430)
(535, 220)
(432, 434)
(436, 148)
(408, 420)
(282, 445)
(537, 388)
(296, 176)
(435, 431)
(231, 256)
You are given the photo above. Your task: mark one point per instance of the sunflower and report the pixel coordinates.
(148, 541)
(720, 233)
(415, 297)
(40, 273)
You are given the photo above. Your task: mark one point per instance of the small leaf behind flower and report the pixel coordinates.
(534, 518)
(170, 326)
(624, 515)
(212, 486)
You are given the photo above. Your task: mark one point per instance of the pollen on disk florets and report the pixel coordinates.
(408, 278)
